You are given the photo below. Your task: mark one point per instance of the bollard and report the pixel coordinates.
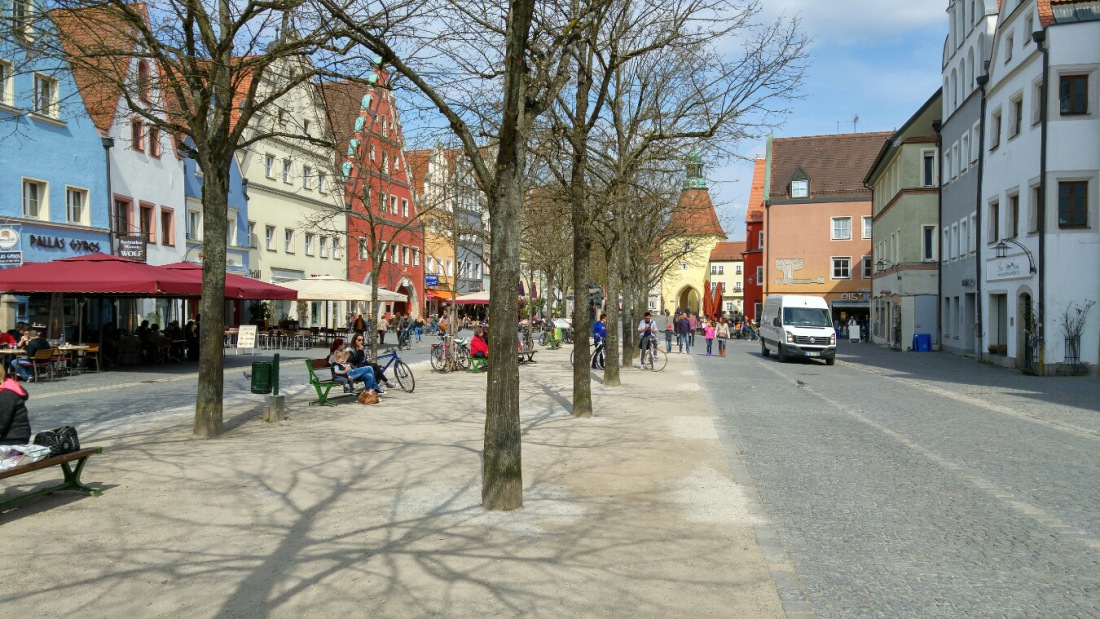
(276, 404)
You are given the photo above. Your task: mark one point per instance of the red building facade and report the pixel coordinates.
(378, 192)
(754, 244)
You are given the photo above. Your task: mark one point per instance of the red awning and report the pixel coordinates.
(98, 274)
(237, 286)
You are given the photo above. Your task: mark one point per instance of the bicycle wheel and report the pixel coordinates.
(542, 339)
(657, 360)
(437, 358)
(571, 357)
(404, 376)
(601, 360)
(463, 360)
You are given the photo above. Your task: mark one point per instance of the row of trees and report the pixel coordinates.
(599, 100)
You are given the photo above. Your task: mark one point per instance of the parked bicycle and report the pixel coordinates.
(401, 370)
(451, 353)
(598, 360)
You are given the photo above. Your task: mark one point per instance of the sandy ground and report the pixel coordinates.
(360, 511)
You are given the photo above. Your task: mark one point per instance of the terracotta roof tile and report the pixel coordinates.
(342, 104)
(694, 216)
(728, 251)
(755, 210)
(835, 164)
(418, 169)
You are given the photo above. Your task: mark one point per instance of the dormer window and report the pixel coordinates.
(800, 189)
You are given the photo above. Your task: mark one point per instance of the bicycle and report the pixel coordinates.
(450, 353)
(652, 358)
(401, 370)
(598, 360)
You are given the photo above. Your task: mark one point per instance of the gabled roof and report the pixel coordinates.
(836, 164)
(94, 35)
(342, 105)
(417, 161)
(729, 251)
(755, 210)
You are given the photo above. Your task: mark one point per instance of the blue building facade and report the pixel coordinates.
(239, 240)
(53, 170)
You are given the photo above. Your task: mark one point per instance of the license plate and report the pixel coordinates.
(813, 354)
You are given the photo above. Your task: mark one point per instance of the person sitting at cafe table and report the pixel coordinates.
(38, 342)
(143, 330)
(17, 332)
(6, 340)
(173, 331)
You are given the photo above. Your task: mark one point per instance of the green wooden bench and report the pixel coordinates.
(323, 386)
(72, 476)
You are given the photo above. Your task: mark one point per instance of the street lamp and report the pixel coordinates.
(883, 264)
(1002, 252)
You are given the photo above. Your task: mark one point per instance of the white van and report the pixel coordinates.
(797, 326)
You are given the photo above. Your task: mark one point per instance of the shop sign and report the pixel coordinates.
(9, 239)
(431, 280)
(132, 247)
(11, 258)
(79, 246)
(855, 296)
(1006, 268)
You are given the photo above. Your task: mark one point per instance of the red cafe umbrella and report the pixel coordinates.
(98, 274)
(238, 286)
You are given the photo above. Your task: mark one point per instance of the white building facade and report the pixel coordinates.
(1039, 224)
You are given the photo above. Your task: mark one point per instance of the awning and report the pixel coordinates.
(237, 286)
(98, 274)
(328, 288)
(474, 298)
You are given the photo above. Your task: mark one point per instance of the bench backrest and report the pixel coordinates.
(314, 365)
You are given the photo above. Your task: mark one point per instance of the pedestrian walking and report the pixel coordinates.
(669, 331)
(723, 334)
(708, 334)
(693, 326)
(383, 326)
(683, 327)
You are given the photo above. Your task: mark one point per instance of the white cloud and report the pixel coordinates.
(853, 21)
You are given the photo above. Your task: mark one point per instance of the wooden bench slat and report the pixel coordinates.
(72, 476)
(48, 462)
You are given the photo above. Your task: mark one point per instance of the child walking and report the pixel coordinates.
(708, 333)
(723, 333)
(668, 337)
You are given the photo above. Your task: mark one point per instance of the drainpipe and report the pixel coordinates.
(108, 142)
(937, 126)
(1040, 37)
(982, 80)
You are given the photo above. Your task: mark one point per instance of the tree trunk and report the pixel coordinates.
(208, 400)
(582, 245)
(629, 317)
(502, 472)
(611, 376)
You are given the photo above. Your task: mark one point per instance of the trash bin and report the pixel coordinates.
(922, 342)
(261, 377)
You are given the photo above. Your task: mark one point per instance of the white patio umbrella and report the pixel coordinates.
(329, 288)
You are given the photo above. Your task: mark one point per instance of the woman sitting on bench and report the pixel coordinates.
(342, 372)
(15, 424)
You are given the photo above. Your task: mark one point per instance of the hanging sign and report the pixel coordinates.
(132, 247)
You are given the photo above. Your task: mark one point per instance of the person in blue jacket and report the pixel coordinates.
(599, 336)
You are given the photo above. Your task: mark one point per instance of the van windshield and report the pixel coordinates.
(806, 317)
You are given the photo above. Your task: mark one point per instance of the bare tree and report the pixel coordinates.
(218, 66)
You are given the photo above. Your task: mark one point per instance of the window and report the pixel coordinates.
(974, 142)
(393, 205)
(35, 204)
(385, 163)
(994, 222)
(842, 268)
(167, 226)
(147, 223)
(1036, 102)
(286, 171)
(405, 255)
(760, 240)
(307, 172)
(929, 168)
(995, 130)
(337, 253)
(269, 238)
(955, 161)
(385, 130)
(324, 247)
(45, 95)
(322, 182)
(1033, 210)
(1073, 95)
(964, 152)
(736, 287)
(683, 266)
(759, 276)
(955, 246)
(137, 134)
(22, 12)
(1009, 41)
(866, 267)
(450, 268)
(964, 236)
(1017, 116)
(972, 246)
(382, 202)
(154, 142)
(928, 243)
(6, 71)
(404, 207)
(76, 205)
(946, 244)
(143, 83)
(305, 127)
(429, 264)
(269, 166)
(416, 256)
(310, 240)
(1072, 204)
(947, 165)
(288, 240)
(362, 249)
(252, 234)
(737, 269)
(1012, 229)
(231, 229)
(397, 256)
(866, 227)
(371, 150)
(842, 228)
(800, 189)
(194, 225)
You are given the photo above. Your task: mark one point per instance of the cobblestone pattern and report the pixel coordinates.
(898, 492)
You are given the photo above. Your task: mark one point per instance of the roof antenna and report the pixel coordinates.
(855, 123)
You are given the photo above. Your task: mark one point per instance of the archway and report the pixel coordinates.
(689, 299)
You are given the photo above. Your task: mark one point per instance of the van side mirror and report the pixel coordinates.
(775, 321)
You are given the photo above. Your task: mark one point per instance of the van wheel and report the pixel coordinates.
(782, 354)
(764, 349)
(830, 361)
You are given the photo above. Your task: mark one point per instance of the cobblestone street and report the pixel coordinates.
(923, 485)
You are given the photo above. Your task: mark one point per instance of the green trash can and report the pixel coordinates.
(261, 377)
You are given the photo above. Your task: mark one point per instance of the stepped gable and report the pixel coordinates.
(728, 251)
(835, 164)
(417, 161)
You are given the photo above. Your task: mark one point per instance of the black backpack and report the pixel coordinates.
(61, 441)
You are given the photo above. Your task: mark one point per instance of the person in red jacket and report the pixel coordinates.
(15, 425)
(479, 345)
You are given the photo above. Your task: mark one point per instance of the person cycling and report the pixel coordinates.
(647, 329)
(599, 338)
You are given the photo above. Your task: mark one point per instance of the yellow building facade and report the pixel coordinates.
(692, 233)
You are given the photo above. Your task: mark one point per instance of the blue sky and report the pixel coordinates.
(878, 59)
